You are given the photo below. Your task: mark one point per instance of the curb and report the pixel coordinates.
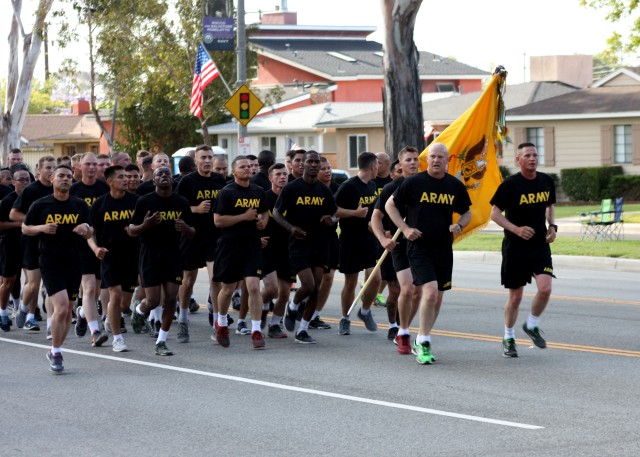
(570, 261)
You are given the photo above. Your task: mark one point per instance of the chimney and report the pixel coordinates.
(80, 106)
(280, 18)
(575, 70)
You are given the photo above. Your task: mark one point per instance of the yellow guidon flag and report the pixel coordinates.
(473, 141)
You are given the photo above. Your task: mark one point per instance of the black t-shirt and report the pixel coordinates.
(148, 186)
(351, 194)
(89, 192)
(235, 199)
(278, 236)
(196, 189)
(525, 202)
(303, 205)
(64, 245)
(387, 192)
(4, 191)
(110, 217)
(261, 179)
(30, 194)
(164, 236)
(381, 182)
(9, 235)
(430, 203)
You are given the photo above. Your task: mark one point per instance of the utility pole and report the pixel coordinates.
(241, 53)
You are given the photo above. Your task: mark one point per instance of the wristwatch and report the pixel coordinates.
(555, 227)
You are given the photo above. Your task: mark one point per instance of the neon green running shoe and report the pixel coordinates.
(380, 301)
(423, 353)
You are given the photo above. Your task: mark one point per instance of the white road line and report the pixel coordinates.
(290, 388)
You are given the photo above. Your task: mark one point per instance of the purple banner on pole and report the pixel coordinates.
(218, 33)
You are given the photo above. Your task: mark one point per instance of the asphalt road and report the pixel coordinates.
(348, 395)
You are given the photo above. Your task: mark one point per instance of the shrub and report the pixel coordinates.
(504, 171)
(625, 186)
(588, 184)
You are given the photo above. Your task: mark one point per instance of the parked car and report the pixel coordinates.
(339, 176)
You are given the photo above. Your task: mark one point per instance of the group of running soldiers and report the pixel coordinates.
(120, 225)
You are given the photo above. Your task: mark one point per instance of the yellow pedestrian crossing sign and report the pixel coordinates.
(244, 105)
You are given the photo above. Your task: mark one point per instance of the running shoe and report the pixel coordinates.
(99, 306)
(55, 362)
(392, 333)
(235, 300)
(423, 353)
(138, 322)
(319, 324)
(300, 313)
(344, 328)
(380, 301)
(276, 332)
(222, 335)
(5, 323)
(21, 318)
(304, 338)
(97, 338)
(404, 344)
(119, 345)
(263, 318)
(509, 348)
(157, 325)
(107, 326)
(257, 339)
(38, 314)
(534, 334)
(49, 334)
(162, 349)
(230, 320)
(369, 323)
(210, 318)
(183, 333)
(290, 319)
(242, 329)
(194, 306)
(32, 325)
(81, 326)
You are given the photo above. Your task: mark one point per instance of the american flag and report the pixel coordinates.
(205, 72)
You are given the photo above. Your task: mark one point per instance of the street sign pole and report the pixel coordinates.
(242, 72)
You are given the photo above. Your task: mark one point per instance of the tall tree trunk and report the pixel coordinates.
(18, 92)
(402, 93)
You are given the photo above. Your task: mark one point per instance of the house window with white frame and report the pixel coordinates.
(357, 144)
(622, 152)
(269, 142)
(535, 135)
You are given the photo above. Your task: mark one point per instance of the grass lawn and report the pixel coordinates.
(573, 211)
(629, 249)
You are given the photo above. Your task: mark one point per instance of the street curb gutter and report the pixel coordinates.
(570, 261)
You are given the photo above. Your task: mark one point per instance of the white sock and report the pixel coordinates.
(509, 332)
(118, 338)
(48, 323)
(255, 326)
(139, 309)
(24, 308)
(157, 313)
(316, 315)
(81, 312)
(265, 306)
(275, 320)
(222, 320)
(532, 321)
(93, 326)
(4, 312)
(183, 317)
(403, 331)
(304, 325)
(162, 336)
(364, 312)
(393, 324)
(423, 339)
(56, 350)
(17, 303)
(293, 306)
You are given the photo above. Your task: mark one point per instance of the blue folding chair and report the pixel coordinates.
(606, 224)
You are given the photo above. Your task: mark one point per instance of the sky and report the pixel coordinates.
(482, 34)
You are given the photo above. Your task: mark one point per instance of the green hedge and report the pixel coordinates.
(588, 184)
(625, 186)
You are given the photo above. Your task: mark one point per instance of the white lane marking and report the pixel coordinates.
(291, 388)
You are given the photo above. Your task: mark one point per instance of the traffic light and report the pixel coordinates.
(244, 107)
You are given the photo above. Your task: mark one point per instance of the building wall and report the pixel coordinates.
(375, 143)
(271, 71)
(576, 143)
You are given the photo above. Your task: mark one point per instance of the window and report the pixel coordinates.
(535, 135)
(224, 143)
(622, 152)
(357, 144)
(70, 150)
(445, 87)
(269, 142)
